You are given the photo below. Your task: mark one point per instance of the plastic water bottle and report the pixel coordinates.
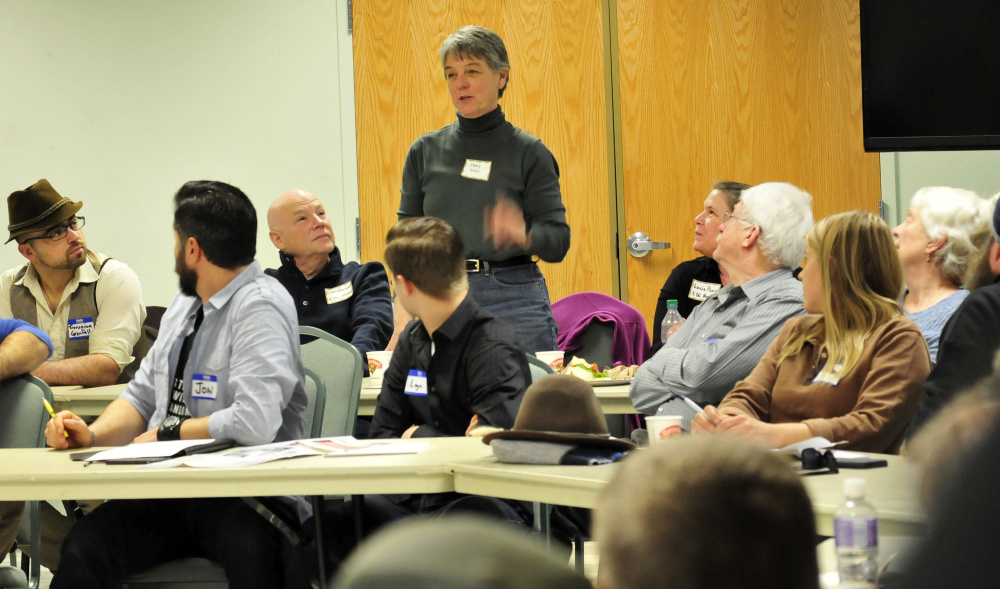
(672, 318)
(855, 529)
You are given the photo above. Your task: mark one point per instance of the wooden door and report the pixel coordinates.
(745, 90)
(556, 92)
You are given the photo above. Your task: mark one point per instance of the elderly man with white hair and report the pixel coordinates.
(726, 336)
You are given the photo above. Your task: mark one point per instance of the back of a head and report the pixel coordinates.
(784, 214)
(429, 253)
(706, 512)
(864, 277)
(221, 218)
(458, 552)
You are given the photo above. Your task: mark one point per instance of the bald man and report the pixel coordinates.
(350, 301)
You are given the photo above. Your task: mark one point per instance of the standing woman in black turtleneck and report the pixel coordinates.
(497, 185)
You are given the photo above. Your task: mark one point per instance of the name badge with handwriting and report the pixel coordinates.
(204, 386)
(477, 170)
(416, 383)
(339, 293)
(80, 328)
(702, 290)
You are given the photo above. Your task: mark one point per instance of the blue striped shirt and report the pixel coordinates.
(720, 343)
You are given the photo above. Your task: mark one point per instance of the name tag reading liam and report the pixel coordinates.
(339, 293)
(416, 383)
(80, 328)
(702, 290)
(477, 170)
(204, 386)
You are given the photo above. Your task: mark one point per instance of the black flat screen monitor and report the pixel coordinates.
(930, 74)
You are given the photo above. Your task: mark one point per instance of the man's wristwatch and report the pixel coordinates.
(170, 429)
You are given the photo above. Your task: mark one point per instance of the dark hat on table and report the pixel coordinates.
(564, 409)
(36, 208)
(455, 552)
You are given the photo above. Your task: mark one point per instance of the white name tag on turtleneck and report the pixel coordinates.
(700, 291)
(339, 293)
(477, 170)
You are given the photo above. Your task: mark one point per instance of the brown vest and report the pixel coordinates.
(82, 311)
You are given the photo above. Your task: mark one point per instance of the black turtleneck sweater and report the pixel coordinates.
(521, 168)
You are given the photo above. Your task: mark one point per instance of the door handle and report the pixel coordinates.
(639, 244)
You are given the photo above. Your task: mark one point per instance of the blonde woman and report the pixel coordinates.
(853, 368)
(942, 233)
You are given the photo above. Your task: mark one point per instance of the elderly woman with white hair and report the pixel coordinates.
(943, 231)
(496, 185)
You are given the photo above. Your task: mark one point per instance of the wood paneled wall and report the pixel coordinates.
(556, 92)
(746, 90)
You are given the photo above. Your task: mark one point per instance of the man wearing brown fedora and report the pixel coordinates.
(89, 304)
(455, 367)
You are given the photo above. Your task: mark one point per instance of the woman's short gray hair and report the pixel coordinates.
(477, 42)
(784, 214)
(962, 218)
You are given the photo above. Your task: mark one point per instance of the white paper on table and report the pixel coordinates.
(817, 443)
(240, 457)
(351, 446)
(147, 450)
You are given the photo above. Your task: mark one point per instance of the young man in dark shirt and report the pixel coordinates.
(455, 368)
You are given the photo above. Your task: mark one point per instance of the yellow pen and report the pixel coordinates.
(52, 412)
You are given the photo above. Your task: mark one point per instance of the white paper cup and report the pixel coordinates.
(661, 427)
(377, 363)
(554, 358)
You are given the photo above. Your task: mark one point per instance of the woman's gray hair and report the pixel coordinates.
(784, 214)
(962, 218)
(480, 42)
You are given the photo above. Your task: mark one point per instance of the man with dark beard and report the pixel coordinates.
(226, 364)
(89, 305)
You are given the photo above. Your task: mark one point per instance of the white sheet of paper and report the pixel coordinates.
(147, 450)
(239, 457)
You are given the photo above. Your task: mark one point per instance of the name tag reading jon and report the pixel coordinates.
(204, 386)
(477, 170)
(339, 293)
(702, 290)
(80, 328)
(416, 383)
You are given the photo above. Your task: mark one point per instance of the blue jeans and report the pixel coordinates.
(518, 295)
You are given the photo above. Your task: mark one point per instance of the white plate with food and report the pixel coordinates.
(608, 382)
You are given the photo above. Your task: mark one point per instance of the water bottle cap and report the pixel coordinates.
(671, 303)
(854, 488)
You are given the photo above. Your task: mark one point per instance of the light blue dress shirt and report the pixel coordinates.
(249, 341)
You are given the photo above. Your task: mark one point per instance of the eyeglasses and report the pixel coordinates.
(59, 233)
(727, 216)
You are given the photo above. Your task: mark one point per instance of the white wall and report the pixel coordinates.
(904, 173)
(119, 102)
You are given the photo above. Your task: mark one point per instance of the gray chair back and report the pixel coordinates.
(340, 366)
(316, 405)
(538, 368)
(22, 425)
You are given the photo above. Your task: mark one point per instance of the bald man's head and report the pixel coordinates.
(298, 224)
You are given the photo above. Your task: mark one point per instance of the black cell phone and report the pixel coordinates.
(81, 456)
(862, 462)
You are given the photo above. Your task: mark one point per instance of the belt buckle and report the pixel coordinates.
(472, 265)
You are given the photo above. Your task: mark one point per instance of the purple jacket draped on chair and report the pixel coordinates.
(575, 312)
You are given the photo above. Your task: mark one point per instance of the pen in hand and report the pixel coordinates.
(52, 412)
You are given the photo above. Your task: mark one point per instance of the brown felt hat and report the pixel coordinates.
(36, 208)
(561, 408)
